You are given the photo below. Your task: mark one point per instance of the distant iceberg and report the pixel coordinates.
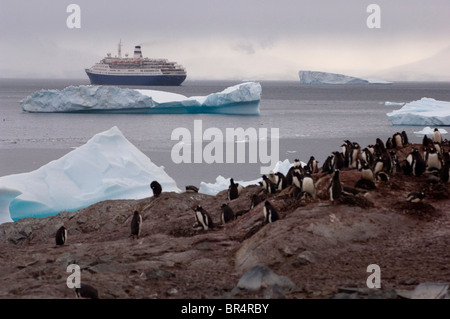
(317, 77)
(107, 167)
(430, 131)
(425, 111)
(241, 99)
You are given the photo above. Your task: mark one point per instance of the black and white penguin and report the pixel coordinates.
(405, 139)
(234, 190)
(445, 171)
(338, 161)
(297, 163)
(313, 165)
(346, 152)
(227, 214)
(86, 291)
(191, 189)
(367, 173)
(270, 213)
(432, 160)
(327, 166)
(378, 165)
(390, 143)
(335, 187)
(426, 141)
(281, 181)
(297, 179)
(437, 137)
(415, 197)
(136, 224)
(397, 140)
(308, 185)
(356, 150)
(202, 218)
(381, 149)
(61, 236)
(418, 165)
(156, 188)
(367, 156)
(268, 185)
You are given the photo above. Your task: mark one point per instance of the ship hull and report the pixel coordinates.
(138, 80)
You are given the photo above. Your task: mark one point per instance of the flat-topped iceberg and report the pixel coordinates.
(107, 167)
(430, 131)
(317, 77)
(241, 99)
(425, 111)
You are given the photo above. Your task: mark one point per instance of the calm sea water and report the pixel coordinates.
(312, 120)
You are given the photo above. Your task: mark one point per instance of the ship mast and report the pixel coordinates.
(120, 48)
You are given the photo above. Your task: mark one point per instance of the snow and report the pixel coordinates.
(430, 131)
(223, 183)
(107, 167)
(317, 77)
(388, 103)
(242, 99)
(426, 111)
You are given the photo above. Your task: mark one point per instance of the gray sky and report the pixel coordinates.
(231, 39)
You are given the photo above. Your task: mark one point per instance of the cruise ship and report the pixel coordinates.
(136, 70)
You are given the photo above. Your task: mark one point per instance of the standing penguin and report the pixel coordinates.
(308, 185)
(367, 173)
(156, 188)
(356, 151)
(268, 185)
(202, 218)
(227, 214)
(61, 236)
(437, 136)
(281, 181)
(338, 161)
(335, 187)
(405, 139)
(234, 190)
(136, 224)
(432, 160)
(418, 165)
(398, 140)
(313, 165)
(270, 213)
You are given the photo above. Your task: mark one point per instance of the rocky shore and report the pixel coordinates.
(317, 249)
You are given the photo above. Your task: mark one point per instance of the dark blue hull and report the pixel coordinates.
(147, 80)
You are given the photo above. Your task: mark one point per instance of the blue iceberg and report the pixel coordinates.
(317, 77)
(424, 112)
(107, 167)
(241, 99)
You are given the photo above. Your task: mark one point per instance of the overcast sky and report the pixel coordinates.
(230, 39)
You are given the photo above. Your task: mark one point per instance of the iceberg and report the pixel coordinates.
(317, 77)
(223, 183)
(429, 131)
(107, 167)
(241, 99)
(426, 111)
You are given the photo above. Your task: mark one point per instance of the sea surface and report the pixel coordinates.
(313, 120)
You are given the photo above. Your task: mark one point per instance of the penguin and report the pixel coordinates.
(297, 179)
(390, 143)
(405, 139)
(270, 213)
(202, 218)
(379, 165)
(191, 189)
(312, 165)
(156, 188)
(356, 150)
(268, 185)
(335, 187)
(382, 176)
(346, 152)
(418, 165)
(308, 185)
(367, 173)
(297, 163)
(445, 171)
(426, 141)
(367, 156)
(432, 160)
(327, 166)
(398, 140)
(86, 291)
(234, 190)
(136, 224)
(437, 136)
(338, 160)
(415, 197)
(281, 181)
(395, 165)
(61, 236)
(227, 214)
(255, 200)
(380, 145)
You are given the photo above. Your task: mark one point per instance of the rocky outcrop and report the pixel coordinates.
(316, 247)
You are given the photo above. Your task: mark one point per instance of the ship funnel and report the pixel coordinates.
(137, 52)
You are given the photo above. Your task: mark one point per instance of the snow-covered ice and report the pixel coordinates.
(242, 99)
(107, 167)
(388, 103)
(317, 77)
(223, 183)
(430, 131)
(425, 111)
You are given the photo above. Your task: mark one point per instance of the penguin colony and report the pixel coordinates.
(377, 163)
